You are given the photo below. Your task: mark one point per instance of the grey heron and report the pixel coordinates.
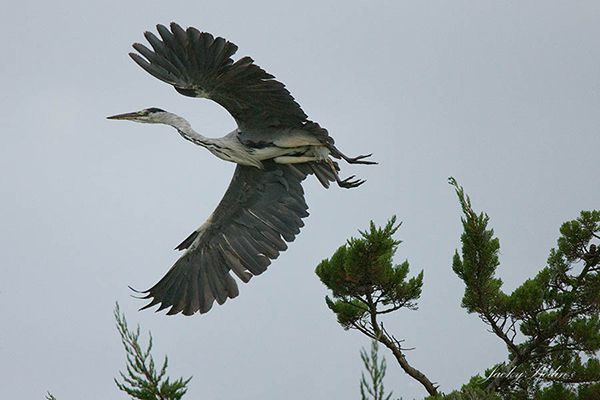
(275, 147)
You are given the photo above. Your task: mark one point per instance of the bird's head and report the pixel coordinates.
(146, 116)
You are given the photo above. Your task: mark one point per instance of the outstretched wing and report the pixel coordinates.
(199, 65)
(261, 210)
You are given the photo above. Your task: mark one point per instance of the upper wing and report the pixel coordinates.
(260, 210)
(199, 65)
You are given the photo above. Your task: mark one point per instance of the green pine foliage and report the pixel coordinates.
(550, 324)
(373, 387)
(479, 260)
(364, 280)
(143, 381)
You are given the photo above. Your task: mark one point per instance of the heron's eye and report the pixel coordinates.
(144, 112)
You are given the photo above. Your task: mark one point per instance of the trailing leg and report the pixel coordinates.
(345, 183)
(335, 152)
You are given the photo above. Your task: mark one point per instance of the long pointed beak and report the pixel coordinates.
(127, 116)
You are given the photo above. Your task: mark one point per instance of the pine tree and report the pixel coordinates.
(373, 388)
(557, 311)
(142, 380)
(366, 284)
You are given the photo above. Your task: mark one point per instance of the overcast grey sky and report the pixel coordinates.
(503, 97)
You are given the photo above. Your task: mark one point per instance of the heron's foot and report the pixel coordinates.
(335, 152)
(359, 159)
(349, 182)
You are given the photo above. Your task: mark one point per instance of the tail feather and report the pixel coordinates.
(320, 169)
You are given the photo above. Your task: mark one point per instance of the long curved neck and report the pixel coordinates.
(225, 148)
(185, 130)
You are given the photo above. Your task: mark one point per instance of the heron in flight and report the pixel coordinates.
(274, 146)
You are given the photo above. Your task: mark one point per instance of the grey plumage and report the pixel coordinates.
(275, 146)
